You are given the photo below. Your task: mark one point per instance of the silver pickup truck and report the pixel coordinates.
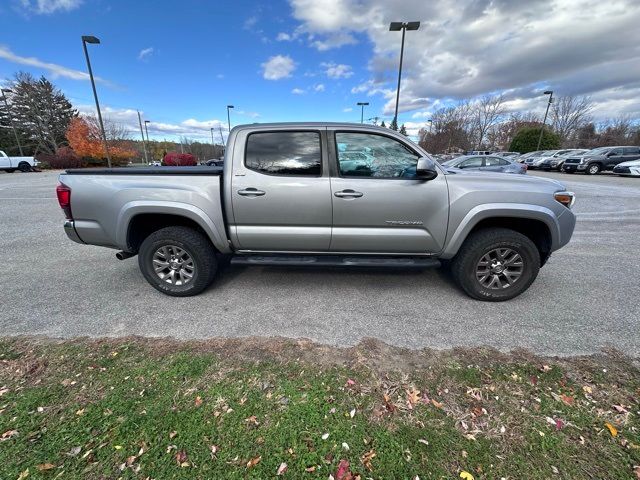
(327, 194)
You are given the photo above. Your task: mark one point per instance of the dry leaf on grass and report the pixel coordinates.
(281, 469)
(198, 401)
(613, 430)
(46, 466)
(366, 459)
(254, 461)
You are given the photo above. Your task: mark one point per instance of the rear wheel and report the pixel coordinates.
(178, 261)
(496, 264)
(593, 169)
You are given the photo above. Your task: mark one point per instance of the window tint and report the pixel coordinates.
(370, 155)
(495, 161)
(471, 163)
(284, 153)
(616, 151)
(631, 150)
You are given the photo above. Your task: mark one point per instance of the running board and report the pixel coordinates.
(336, 261)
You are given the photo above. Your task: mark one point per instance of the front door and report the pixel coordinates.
(378, 204)
(280, 192)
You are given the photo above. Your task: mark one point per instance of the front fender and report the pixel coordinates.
(214, 229)
(457, 235)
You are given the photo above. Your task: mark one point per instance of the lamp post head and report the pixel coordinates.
(90, 39)
(5, 90)
(229, 106)
(548, 92)
(397, 26)
(363, 103)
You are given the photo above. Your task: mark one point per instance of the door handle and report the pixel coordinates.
(251, 192)
(348, 194)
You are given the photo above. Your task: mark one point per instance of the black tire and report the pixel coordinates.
(466, 263)
(197, 247)
(593, 169)
(24, 167)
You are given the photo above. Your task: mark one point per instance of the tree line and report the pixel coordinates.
(48, 127)
(485, 124)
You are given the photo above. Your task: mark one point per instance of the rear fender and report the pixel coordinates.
(214, 228)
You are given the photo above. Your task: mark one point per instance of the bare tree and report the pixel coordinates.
(486, 113)
(501, 135)
(568, 114)
(113, 130)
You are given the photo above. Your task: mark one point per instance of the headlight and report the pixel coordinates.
(565, 198)
(583, 160)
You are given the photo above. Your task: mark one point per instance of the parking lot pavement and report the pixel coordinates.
(585, 298)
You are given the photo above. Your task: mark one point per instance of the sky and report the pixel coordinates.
(181, 63)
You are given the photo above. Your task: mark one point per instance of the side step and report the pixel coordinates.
(336, 261)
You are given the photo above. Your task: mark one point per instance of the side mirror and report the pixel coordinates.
(426, 169)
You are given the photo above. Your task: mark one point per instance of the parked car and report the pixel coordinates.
(555, 161)
(11, 164)
(214, 162)
(511, 155)
(486, 163)
(535, 160)
(155, 163)
(599, 159)
(283, 199)
(631, 168)
(478, 152)
(522, 158)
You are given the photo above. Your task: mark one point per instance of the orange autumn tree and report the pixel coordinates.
(86, 140)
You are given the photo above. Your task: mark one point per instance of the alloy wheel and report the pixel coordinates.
(173, 265)
(499, 268)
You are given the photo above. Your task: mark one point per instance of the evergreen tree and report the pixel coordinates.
(403, 130)
(394, 124)
(40, 112)
(383, 124)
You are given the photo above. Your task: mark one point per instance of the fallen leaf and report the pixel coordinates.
(555, 470)
(310, 469)
(8, 434)
(350, 383)
(281, 469)
(345, 446)
(74, 451)
(352, 413)
(566, 399)
(80, 412)
(437, 404)
(46, 466)
(252, 420)
(23, 475)
(613, 430)
(214, 449)
(325, 436)
(620, 409)
(118, 447)
(413, 396)
(388, 403)
(636, 470)
(559, 424)
(545, 368)
(343, 470)
(254, 461)
(366, 459)
(181, 457)
(198, 401)
(423, 441)
(466, 475)
(172, 434)
(587, 389)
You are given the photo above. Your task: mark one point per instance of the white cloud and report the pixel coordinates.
(49, 6)
(277, 67)
(348, 109)
(474, 47)
(334, 41)
(145, 53)
(319, 87)
(250, 22)
(54, 69)
(283, 37)
(333, 70)
(298, 91)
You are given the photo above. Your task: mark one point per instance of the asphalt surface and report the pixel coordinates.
(586, 298)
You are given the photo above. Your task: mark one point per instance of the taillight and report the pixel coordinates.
(64, 199)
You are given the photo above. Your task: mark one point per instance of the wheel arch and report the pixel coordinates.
(138, 220)
(539, 224)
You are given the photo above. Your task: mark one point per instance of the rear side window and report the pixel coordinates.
(495, 161)
(631, 150)
(284, 153)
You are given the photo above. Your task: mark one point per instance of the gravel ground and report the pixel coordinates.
(585, 299)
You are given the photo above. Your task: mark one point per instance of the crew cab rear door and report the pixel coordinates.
(280, 190)
(379, 206)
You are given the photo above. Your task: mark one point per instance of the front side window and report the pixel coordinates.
(284, 153)
(371, 155)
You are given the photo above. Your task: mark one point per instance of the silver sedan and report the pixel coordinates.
(486, 163)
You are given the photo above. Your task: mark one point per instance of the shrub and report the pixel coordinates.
(64, 157)
(175, 159)
(526, 140)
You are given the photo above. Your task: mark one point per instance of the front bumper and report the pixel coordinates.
(70, 230)
(574, 167)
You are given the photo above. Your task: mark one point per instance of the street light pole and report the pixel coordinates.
(13, 127)
(144, 143)
(229, 117)
(362, 104)
(146, 122)
(550, 93)
(395, 27)
(430, 122)
(91, 39)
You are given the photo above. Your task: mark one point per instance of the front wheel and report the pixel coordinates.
(24, 167)
(496, 264)
(177, 261)
(593, 169)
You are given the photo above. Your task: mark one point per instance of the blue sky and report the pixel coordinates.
(181, 63)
